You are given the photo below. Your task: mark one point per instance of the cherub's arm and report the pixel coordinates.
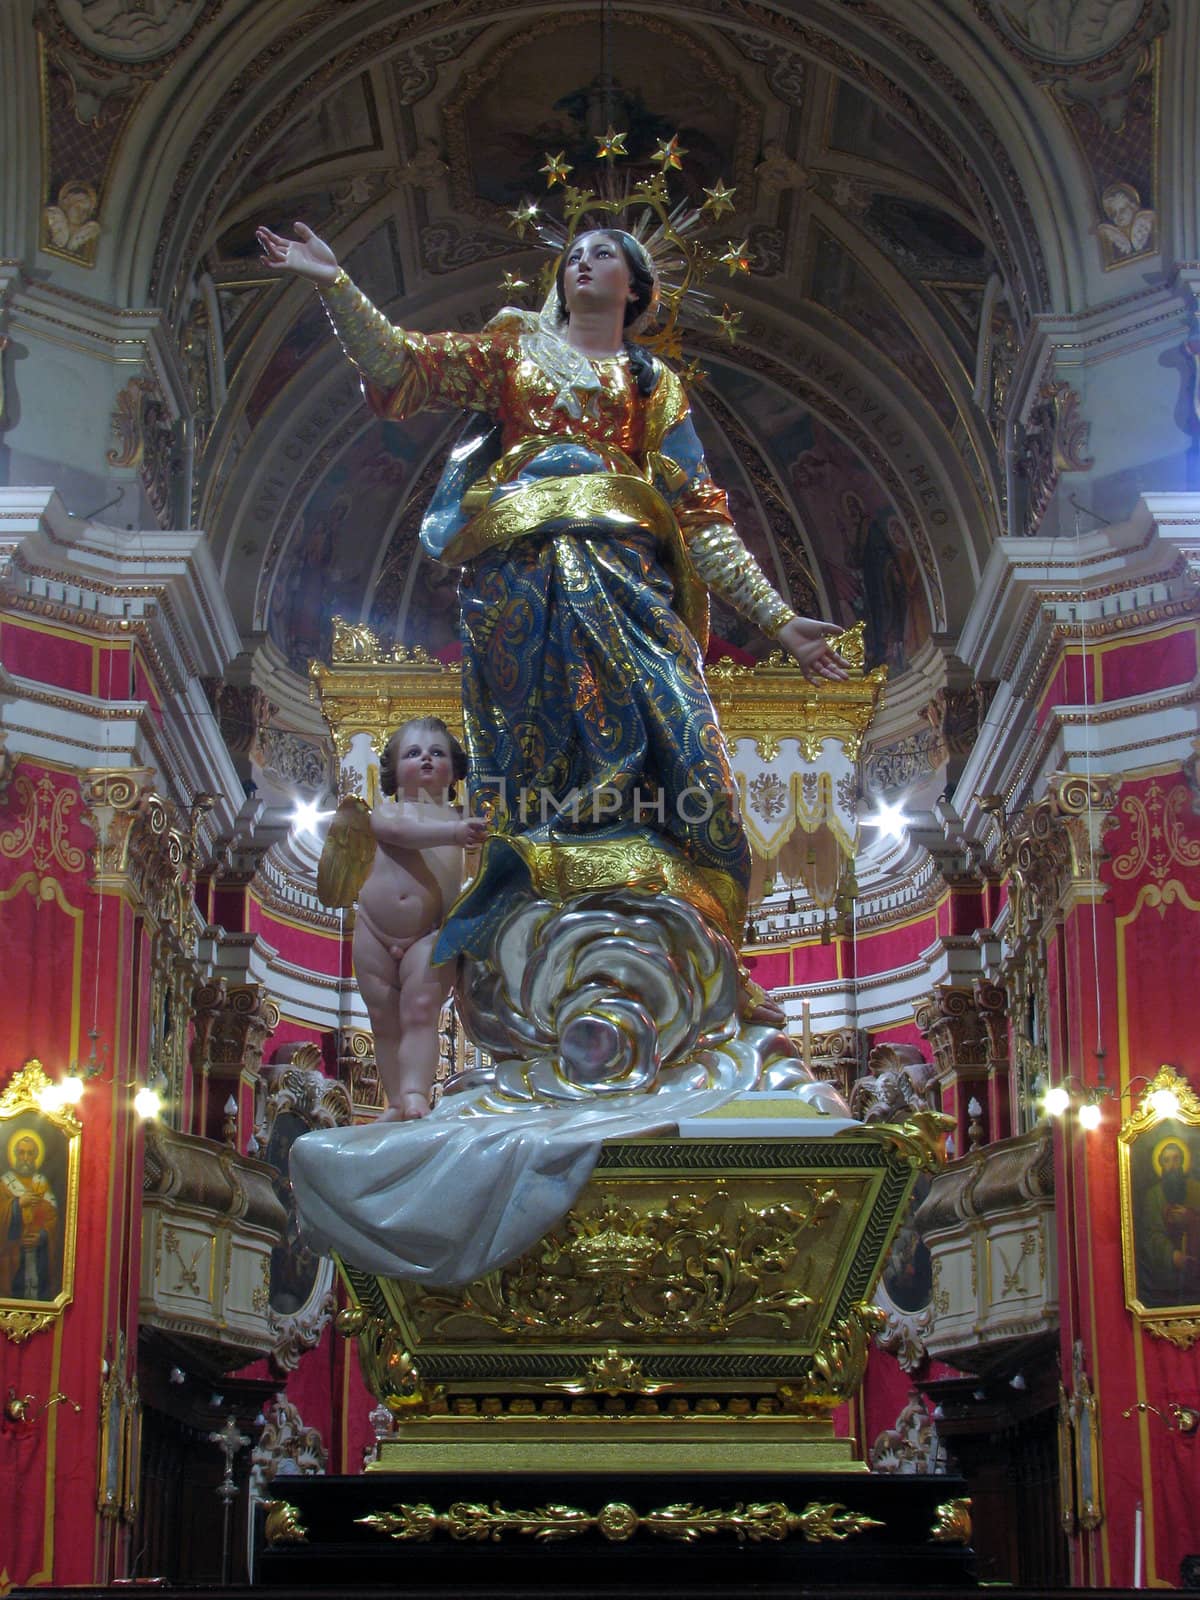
(392, 824)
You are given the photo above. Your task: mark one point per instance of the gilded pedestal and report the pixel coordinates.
(703, 1307)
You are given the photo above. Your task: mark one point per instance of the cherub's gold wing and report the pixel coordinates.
(348, 854)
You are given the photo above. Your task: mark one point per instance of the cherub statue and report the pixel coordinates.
(403, 864)
(1130, 226)
(72, 223)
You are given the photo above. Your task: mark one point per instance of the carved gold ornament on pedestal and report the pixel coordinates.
(619, 1522)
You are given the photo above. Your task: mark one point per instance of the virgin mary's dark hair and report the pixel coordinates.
(641, 281)
(387, 761)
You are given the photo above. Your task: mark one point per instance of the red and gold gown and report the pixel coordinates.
(588, 532)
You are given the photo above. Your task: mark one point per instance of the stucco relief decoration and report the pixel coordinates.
(1073, 33)
(98, 59)
(71, 224)
(1129, 228)
(1097, 58)
(1055, 441)
(144, 429)
(293, 761)
(129, 31)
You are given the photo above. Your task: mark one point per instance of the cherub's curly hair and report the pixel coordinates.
(387, 762)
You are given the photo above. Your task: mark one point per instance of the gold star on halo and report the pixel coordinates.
(737, 258)
(556, 169)
(512, 284)
(523, 215)
(610, 143)
(669, 153)
(720, 199)
(729, 322)
(693, 372)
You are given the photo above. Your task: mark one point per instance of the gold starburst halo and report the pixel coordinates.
(669, 154)
(737, 258)
(728, 322)
(669, 233)
(524, 216)
(556, 169)
(720, 199)
(610, 143)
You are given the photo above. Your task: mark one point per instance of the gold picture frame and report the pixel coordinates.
(1158, 1164)
(39, 1204)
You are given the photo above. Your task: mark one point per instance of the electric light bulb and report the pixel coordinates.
(51, 1098)
(147, 1103)
(889, 819)
(71, 1089)
(1164, 1103)
(305, 816)
(1089, 1115)
(1056, 1100)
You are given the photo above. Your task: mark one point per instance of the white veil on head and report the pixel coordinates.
(572, 373)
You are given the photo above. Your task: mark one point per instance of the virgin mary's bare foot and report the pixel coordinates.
(406, 1107)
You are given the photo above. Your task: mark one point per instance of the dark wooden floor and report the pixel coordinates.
(625, 1591)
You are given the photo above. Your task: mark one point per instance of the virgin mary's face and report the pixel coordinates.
(596, 276)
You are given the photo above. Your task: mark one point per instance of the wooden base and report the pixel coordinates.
(578, 1533)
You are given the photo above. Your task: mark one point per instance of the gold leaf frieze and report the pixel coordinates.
(755, 1523)
(692, 1266)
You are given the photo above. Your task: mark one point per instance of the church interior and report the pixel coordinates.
(951, 387)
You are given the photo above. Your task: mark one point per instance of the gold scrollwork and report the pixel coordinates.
(685, 1522)
(706, 1264)
(952, 1522)
(22, 1325)
(613, 1373)
(1183, 1334)
(283, 1524)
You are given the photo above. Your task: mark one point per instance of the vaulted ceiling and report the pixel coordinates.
(856, 420)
